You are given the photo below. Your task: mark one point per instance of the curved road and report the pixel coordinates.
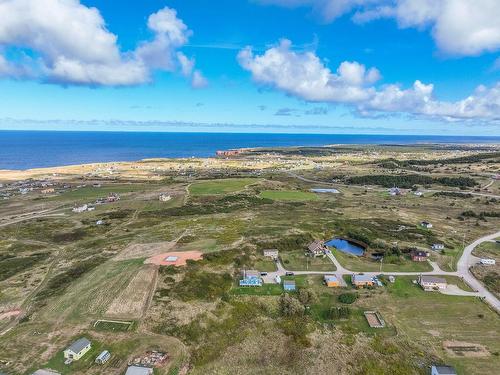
(466, 261)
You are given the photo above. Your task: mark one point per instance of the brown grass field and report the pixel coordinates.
(133, 300)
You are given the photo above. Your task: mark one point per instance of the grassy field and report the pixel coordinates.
(297, 261)
(90, 296)
(431, 318)
(265, 265)
(288, 195)
(113, 326)
(220, 186)
(120, 348)
(355, 263)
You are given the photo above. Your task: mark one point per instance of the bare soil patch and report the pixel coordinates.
(175, 258)
(465, 349)
(133, 300)
(9, 314)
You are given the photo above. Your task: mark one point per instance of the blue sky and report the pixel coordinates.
(252, 65)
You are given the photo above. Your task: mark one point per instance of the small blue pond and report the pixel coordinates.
(346, 246)
(334, 191)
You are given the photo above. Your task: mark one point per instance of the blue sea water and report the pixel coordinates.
(35, 149)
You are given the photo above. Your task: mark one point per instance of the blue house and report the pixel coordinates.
(251, 278)
(289, 285)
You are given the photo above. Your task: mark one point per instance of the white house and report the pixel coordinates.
(437, 246)
(487, 262)
(426, 224)
(80, 209)
(77, 349)
(429, 283)
(164, 197)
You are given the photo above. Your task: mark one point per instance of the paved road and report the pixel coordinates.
(463, 269)
(465, 262)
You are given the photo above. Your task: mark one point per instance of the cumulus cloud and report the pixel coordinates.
(305, 76)
(75, 47)
(459, 27)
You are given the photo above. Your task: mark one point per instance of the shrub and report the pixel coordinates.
(348, 298)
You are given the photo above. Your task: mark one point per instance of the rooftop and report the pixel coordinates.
(78, 345)
(362, 278)
(445, 370)
(432, 279)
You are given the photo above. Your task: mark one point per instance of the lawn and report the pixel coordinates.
(430, 318)
(296, 261)
(362, 264)
(220, 186)
(487, 250)
(288, 195)
(264, 265)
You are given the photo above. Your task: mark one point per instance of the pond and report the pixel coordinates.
(346, 246)
(334, 191)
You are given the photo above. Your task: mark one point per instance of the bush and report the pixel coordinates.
(202, 285)
(342, 312)
(348, 298)
(290, 306)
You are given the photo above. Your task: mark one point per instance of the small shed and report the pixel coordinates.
(289, 285)
(443, 370)
(103, 357)
(139, 370)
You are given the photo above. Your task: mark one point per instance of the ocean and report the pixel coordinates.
(36, 149)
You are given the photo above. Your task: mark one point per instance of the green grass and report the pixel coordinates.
(57, 362)
(431, 318)
(264, 290)
(264, 265)
(114, 326)
(92, 193)
(220, 186)
(362, 264)
(297, 261)
(288, 195)
(487, 250)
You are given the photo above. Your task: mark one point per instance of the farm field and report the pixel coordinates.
(220, 186)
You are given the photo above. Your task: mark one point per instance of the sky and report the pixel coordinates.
(291, 66)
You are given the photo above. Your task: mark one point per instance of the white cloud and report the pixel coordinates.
(75, 47)
(305, 76)
(459, 27)
(198, 81)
